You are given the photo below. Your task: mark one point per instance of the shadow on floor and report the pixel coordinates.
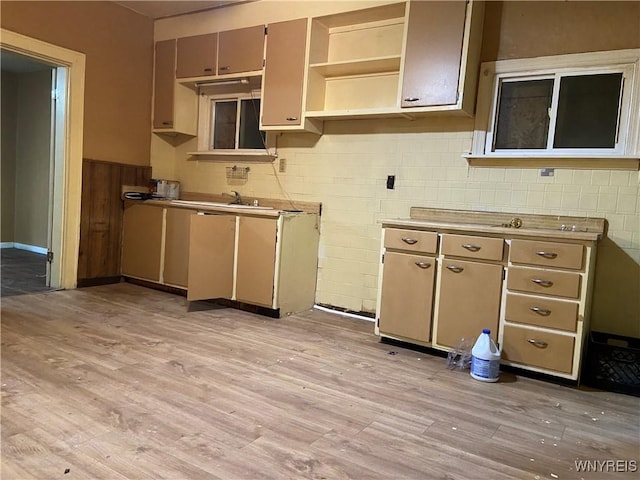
(22, 272)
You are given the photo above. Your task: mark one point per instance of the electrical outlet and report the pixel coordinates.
(547, 172)
(282, 165)
(391, 182)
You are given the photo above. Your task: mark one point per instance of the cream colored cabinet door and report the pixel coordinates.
(433, 53)
(407, 296)
(284, 73)
(197, 55)
(176, 246)
(211, 252)
(164, 79)
(469, 301)
(241, 50)
(256, 260)
(142, 241)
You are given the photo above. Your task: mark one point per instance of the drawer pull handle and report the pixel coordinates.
(455, 268)
(292, 119)
(409, 241)
(423, 264)
(549, 255)
(471, 248)
(542, 283)
(224, 69)
(541, 311)
(537, 343)
(411, 99)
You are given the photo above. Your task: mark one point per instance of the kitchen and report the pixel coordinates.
(346, 168)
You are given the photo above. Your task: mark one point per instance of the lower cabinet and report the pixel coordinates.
(407, 295)
(264, 261)
(256, 260)
(468, 302)
(142, 233)
(211, 256)
(438, 286)
(176, 247)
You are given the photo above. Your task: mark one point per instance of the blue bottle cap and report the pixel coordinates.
(486, 330)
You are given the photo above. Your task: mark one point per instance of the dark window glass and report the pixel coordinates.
(523, 114)
(588, 111)
(224, 127)
(250, 134)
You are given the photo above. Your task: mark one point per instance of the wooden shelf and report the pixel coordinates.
(358, 67)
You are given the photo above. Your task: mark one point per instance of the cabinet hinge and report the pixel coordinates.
(382, 260)
(265, 30)
(378, 322)
(50, 256)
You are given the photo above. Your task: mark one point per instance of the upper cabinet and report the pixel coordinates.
(241, 50)
(401, 59)
(283, 79)
(354, 62)
(197, 55)
(174, 105)
(433, 53)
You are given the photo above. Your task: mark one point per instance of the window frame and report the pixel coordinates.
(492, 73)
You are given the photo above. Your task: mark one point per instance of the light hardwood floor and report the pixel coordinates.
(123, 382)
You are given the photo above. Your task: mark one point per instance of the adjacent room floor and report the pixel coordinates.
(22, 271)
(124, 382)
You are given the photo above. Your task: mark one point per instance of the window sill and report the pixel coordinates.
(222, 155)
(590, 163)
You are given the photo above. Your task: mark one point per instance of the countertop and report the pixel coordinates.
(499, 224)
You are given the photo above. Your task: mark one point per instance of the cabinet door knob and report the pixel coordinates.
(411, 99)
(549, 255)
(544, 312)
(542, 283)
(409, 241)
(471, 248)
(537, 343)
(292, 119)
(423, 264)
(455, 268)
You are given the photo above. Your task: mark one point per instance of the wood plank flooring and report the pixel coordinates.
(124, 382)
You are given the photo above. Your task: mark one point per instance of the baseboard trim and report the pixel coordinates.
(24, 246)
(94, 282)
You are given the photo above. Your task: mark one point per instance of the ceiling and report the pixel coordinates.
(170, 8)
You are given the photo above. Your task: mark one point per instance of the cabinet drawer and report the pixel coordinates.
(552, 254)
(539, 349)
(546, 282)
(543, 312)
(472, 247)
(410, 240)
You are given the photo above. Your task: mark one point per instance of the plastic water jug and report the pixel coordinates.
(485, 358)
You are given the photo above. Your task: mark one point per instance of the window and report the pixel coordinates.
(228, 120)
(569, 106)
(235, 124)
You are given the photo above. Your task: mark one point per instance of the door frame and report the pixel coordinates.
(67, 149)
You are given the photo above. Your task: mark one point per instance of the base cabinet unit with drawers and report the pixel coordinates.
(446, 275)
(266, 260)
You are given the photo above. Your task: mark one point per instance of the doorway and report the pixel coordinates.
(27, 166)
(65, 178)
